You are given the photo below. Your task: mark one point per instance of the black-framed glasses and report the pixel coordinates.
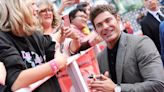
(81, 16)
(46, 10)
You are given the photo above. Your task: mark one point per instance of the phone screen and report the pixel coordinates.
(66, 20)
(77, 1)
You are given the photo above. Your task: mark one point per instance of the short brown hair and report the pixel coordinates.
(73, 13)
(95, 11)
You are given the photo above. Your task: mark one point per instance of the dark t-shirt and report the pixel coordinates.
(112, 63)
(112, 53)
(20, 53)
(2, 88)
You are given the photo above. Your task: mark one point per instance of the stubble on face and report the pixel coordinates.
(107, 27)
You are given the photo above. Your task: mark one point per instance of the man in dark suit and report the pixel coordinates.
(150, 23)
(132, 62)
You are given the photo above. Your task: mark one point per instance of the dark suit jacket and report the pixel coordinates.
(138, 64)
(150, 27)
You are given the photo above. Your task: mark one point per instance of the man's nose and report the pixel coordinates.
(105, 25)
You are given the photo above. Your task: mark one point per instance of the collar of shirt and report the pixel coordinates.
(154, 13)
(114, 50)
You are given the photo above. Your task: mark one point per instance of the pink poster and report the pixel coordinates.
(74, 77)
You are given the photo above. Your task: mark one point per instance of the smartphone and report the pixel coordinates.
(66, 20)
(77, 1)
(91, 76)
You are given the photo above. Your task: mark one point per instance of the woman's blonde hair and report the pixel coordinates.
(56, 17)
(20, 18)
(3, 16)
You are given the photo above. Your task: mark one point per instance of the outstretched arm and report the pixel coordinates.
(3, 74)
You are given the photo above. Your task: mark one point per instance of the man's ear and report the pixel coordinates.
(94, 26)
(118, 18)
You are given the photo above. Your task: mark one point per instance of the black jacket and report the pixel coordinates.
(19, 53)
(150, 27)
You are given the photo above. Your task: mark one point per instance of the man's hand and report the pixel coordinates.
(102, 84)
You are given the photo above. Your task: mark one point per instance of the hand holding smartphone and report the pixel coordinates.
(96, 77)
(66, 20)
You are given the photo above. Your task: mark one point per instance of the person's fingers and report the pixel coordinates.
(69, 33)
(106, 74)
(104, 77)
(67, 3)
(97, 82)
(96, 85)
(101, 77)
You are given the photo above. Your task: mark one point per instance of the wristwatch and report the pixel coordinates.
(117, 89)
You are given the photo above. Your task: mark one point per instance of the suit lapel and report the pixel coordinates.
(120, 57)
(152, 18)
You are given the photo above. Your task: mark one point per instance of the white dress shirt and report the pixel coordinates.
(154, 13)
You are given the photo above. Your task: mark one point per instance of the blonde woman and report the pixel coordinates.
(27, 55)
(2, 67)
(53, 26)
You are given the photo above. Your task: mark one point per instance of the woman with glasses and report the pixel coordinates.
(53, 26)
(78, 19)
